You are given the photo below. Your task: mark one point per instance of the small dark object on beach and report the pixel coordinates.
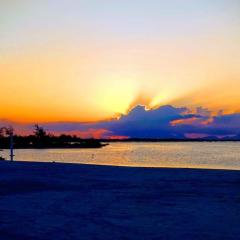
(2, 158)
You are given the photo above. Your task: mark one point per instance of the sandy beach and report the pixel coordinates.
(46, 201)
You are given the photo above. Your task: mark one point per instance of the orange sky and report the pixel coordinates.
(75, 65)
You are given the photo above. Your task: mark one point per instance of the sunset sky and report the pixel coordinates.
(91, 60)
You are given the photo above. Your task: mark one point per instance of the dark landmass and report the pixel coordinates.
(67, 141)
(46, 201)
(30, 142)
(41, 139)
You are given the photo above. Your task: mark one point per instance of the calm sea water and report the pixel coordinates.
(213, 155)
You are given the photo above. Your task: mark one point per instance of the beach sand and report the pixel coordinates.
(52, 201)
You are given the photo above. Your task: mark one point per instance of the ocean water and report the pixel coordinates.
(211, 155)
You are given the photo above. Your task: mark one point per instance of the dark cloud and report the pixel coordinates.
(163, 122)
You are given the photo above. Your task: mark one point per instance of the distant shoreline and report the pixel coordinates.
(108, 141)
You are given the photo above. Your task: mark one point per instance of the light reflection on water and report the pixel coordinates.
(216, 155)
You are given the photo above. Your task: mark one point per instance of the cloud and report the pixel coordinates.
(164, 122)
(172, 122)
(142, 123)
(218, 126)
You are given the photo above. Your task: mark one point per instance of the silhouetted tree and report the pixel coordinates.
(41, 136)
(42, 139)
(39, 132)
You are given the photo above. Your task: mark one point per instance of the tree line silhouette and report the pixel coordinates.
(42, 139)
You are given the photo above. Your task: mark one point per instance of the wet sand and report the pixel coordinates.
(48, 201)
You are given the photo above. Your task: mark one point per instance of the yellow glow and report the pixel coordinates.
(94, 83)
(88, 61)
